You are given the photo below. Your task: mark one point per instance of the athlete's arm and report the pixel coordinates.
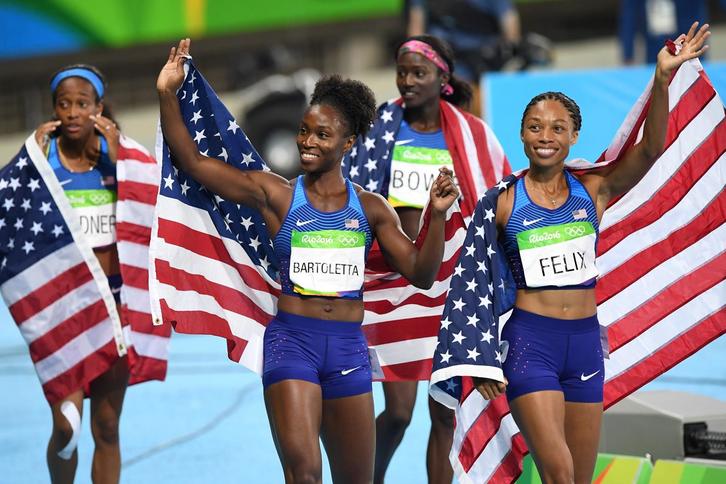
(419, 266)
(253, 188)
(639, 158)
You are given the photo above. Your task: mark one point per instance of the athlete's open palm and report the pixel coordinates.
(172, 74)
(692, 45)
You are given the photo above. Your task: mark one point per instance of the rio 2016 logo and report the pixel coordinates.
(316, 239)
(534, 238)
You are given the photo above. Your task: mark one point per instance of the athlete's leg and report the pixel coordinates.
(391, 423)
(541, 418)
(61, 454)
(582, 431)
(348, 433)
(107, 398)
(438, 466)
(294, 409)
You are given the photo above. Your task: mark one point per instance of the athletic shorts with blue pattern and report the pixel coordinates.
(332, 354)
(554, 354)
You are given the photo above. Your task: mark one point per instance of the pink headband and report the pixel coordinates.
(419, 47)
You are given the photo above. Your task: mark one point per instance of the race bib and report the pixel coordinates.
(96, 210)
(413, 171)
(561, 255)
(327, 262)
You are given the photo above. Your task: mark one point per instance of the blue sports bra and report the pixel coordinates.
(552, 248)
(323, 253)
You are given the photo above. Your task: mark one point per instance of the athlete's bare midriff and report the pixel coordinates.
(558, 303)
(328, 308)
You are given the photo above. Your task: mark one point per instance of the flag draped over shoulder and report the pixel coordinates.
(478, 157)
(54, 286)
(401, 322)
(661, 291)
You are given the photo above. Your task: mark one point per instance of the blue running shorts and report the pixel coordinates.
(554, 354)
(332, 354)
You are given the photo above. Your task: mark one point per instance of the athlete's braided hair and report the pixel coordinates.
(353, 99)
(565, 100)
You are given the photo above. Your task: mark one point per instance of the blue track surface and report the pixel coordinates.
(207, 422)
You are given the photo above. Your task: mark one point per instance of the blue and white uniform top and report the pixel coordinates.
(323, 253)
(92, 194)
(415, 165)
(552, 248)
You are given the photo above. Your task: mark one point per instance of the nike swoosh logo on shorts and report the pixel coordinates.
(526, 222)
(350, 370)
(300, 223)
(64, 182)
(584, 377)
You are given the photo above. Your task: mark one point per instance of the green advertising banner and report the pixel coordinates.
(119, 23)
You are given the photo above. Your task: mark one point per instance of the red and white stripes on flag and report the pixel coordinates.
(138, 176)
(661, 291)
(207, 284)
(401, 322)
(57, 292)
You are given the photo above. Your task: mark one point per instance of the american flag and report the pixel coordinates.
(401, 322)
(54, 286)
(661, 291)
(213, 270)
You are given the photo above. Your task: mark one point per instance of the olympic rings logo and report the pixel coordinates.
(575, 231)
(443, 157)
(349, 240)
(100, 198)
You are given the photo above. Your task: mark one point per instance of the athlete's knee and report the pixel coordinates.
(303, 473)
(441, 416)
(105, 429)
(557, 471)
(66, 430)
(399, 416)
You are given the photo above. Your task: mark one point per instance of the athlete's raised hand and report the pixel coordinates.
(691, 45)
(45, 131)
(172, 74)
(443, 191)
(108, 130)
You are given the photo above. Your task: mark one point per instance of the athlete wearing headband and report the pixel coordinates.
(414, 140)
(81, 146)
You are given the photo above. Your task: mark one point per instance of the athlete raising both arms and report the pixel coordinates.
(547, 222)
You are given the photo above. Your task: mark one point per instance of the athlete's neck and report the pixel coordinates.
(425, 118)
(84, 148)
(325, 183)
(546, 176)
(79, 155)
